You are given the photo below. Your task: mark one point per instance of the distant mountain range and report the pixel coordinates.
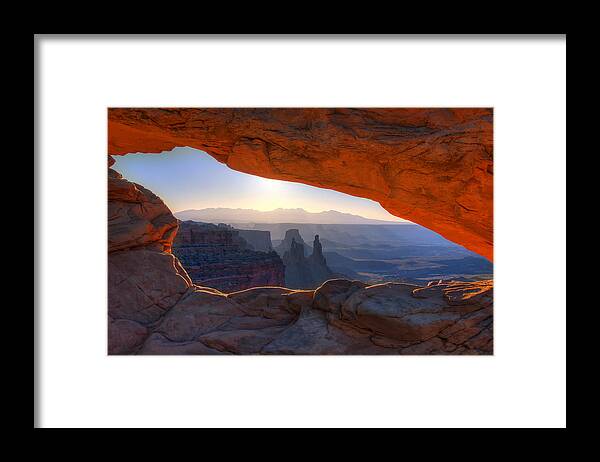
(227, 215)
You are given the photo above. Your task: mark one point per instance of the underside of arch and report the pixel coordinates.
(430, 166)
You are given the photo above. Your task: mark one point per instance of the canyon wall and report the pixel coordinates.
(259, 240)
(217, 256)
(431, 166)
(155, 308)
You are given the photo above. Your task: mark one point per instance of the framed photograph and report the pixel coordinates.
(396, 205)
(362, 231)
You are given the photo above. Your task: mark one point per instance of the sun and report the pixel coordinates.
(268, 184)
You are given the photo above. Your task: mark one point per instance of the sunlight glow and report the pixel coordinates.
(269, 184)
(186, 178)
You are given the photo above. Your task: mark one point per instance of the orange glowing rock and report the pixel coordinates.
(430, 166)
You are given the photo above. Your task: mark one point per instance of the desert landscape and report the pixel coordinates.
(288, 281)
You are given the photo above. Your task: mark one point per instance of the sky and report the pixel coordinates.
(187, 178)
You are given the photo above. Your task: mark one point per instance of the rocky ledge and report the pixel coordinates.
(339, 317)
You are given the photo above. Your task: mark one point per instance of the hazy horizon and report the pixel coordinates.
(278, 215)
(189, 179)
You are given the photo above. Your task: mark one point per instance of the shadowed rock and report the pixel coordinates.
(216, 255)
(303, 272)
(286, 243)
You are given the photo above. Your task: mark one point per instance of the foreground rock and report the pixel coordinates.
(341, 317)
(431, 166)
(137, 217)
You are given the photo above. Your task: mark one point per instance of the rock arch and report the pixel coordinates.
(431, 166)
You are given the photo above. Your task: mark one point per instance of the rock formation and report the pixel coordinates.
(217, 256)
(136, 217)
(431, 166)
(317, 263)
(303, 272)
(285, 245)
(297, 271)
(155, 308)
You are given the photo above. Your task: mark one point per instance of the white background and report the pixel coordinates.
(523, 384)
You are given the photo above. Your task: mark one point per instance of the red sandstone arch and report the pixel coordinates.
(431, 166)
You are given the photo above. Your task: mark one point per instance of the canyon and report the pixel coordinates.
(431, 166)
(221, 257)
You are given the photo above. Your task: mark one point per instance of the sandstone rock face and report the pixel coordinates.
(217, 256)
(144, 279)
(431, 166)
(340, 317)
(137, 217)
